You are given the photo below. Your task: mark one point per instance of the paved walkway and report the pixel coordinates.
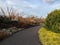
(25, 37)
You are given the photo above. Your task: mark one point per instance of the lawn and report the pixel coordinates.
(48, 37)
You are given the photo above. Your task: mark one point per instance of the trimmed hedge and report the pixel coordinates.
(52, 21)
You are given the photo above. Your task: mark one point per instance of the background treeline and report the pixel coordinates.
(12, 18)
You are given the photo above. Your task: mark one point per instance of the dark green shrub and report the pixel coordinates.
(4, 21)
(52, 21)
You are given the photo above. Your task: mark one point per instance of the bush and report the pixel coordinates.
(12, 18)
(4, 21)
(53, 21)
(4, 35)
(48, 37)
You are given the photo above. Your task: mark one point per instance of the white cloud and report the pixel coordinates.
(56, 6)
(10, 2)
(33, 6)
(27, 4)
(21, 3)
(47, 1)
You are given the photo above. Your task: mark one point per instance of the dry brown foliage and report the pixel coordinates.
(13, 15)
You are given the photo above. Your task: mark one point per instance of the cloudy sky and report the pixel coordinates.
(32, 7)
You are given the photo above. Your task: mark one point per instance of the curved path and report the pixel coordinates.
(26, 37)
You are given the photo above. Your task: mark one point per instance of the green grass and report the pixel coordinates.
(48, 37)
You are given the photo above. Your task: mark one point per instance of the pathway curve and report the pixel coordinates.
(26, 37)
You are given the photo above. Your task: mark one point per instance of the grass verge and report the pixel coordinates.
(48, 37)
